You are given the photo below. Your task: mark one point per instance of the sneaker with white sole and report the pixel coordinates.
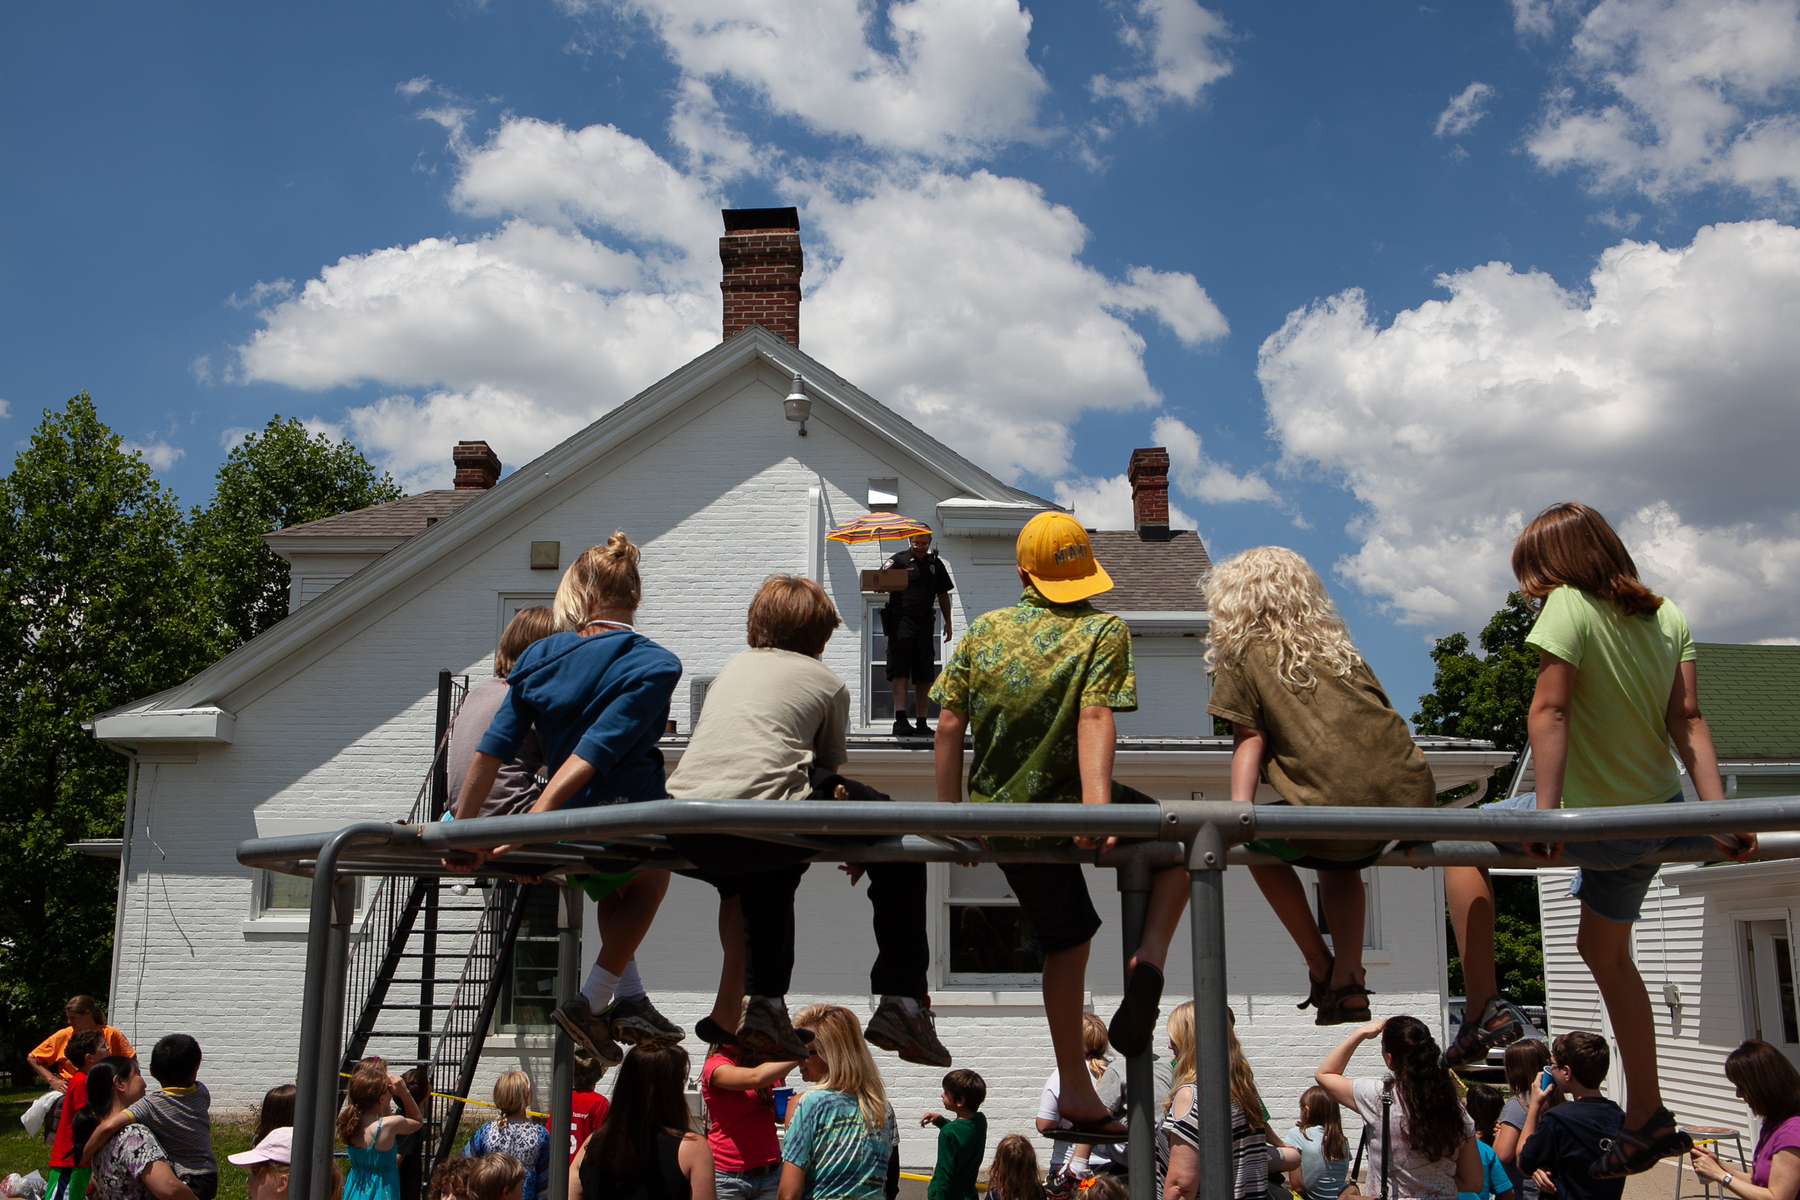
(911, 1035)
(634, 1021)
(590, 1032)
(766, 1030)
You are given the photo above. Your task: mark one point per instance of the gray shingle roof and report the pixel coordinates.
(1751, 698)
(397, 518)
(1151, 576)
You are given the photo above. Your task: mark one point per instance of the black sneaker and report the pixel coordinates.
(635, 1021)
(922, 727)
(590, 1032)
(902, 727)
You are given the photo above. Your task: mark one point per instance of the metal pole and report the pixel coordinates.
(562, 1068)
(1140, 1070)
(1206, 911)
(321, 1020)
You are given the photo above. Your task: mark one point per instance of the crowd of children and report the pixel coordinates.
(1034, 689)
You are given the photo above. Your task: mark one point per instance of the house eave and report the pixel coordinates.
(208, 723)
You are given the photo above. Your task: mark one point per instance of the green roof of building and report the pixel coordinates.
(1751, 698)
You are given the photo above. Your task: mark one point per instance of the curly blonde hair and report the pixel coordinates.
(1270, 594)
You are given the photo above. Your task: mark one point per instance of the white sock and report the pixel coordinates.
(599, 989)
(906, 1002)
(631, 986)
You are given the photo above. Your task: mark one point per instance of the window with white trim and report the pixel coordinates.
(986, 938)
(1371, 910)
(879, 691)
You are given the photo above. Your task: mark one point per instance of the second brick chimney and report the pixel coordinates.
(1149, 476)
(477, 466)
(762, 259)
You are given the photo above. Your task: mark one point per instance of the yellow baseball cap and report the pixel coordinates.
(1054, 550)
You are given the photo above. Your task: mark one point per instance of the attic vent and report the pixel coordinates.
(884, 493)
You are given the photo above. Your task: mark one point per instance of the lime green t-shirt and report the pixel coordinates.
(1619, 749)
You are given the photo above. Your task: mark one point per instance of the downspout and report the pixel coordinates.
(131, 776)
(815, 533)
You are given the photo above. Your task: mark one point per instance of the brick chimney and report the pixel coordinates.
(1149, 476)
(763, 262)
(477, 466)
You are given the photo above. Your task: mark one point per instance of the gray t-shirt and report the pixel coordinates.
(516, 787)
(1514, 1114)
(769, 718)
(1412, 1176)
(181, 1119)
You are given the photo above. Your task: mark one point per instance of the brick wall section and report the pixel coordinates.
(761, 285)
(1149, 475)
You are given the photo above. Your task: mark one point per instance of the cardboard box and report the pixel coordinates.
(885, 581)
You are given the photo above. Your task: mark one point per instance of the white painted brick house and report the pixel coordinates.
(328, 718)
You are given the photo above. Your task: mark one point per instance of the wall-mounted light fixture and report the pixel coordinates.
(797, 406)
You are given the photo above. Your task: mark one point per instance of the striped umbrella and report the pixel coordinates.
(877, 527)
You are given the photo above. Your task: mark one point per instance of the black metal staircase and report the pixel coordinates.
(419, 935)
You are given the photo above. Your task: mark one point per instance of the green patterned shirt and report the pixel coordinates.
(1021, 676)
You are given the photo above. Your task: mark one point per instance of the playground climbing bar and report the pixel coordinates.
(1205, 837)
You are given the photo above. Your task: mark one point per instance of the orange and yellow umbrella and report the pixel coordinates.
(877, 527)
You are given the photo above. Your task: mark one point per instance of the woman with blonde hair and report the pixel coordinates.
(1308, 717)
(842, 1140)
(1178, 1138)
(597, 693)
(515, 1133)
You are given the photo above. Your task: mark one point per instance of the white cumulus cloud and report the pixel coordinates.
(1198, 475)
(1665, 394)
(1667, 96)
(958, 81)
(1465, 110)
(963, 302)
(1181, 44)
(1105, 503)
(156, 452)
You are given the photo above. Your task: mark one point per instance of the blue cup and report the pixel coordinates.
(782, 1095)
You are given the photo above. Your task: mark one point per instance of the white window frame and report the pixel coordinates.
(873, 687)
(265, 919)
(1741, 919)
(1371, 877)
(985, 981)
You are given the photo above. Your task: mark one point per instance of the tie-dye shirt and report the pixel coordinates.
(1022, 675)
(843, 1158)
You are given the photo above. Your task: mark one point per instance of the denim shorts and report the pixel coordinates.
(734, 1185)
(1611, 878)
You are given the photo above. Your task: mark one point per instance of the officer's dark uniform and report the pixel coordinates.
(908, 618)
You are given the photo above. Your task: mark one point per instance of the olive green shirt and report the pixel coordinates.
(1339, 742)
(1021, 676)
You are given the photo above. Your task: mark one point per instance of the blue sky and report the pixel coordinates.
(1385, 278)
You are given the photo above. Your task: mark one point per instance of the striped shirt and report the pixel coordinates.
(181, 1119)
(1249, 1147)
(842, 1157)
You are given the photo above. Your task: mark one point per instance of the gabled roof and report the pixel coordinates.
(397, 518)
(525, 490)
(1751, 698)
(1151, 576)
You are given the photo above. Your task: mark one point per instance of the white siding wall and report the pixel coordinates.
(1688, 936)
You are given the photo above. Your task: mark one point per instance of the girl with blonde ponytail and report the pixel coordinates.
(1309, 718)
(597, 693)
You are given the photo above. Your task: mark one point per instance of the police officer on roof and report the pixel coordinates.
(907, 618)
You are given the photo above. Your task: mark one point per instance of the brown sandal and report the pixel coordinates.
(1320, 988)
(1332, 1012)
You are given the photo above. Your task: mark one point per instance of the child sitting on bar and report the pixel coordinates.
(1617, 691)
(1309, 718)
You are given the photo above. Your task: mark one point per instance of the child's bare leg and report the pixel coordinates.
(1286, 894)
(1345, 903)
(1168, 900)
(1065, 982)
(625, 917)
(729, 1002)
(1471, 896)
(1605, 947)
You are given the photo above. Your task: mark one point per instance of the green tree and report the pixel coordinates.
(97, 608)
(1484, 696)
(1488, 696)
(281, 476)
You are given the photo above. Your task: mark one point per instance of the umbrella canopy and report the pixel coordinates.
(876, 527)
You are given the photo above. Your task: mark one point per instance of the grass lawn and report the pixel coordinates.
(21, 1152)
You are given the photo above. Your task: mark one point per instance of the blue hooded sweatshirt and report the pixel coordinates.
(603, 698)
